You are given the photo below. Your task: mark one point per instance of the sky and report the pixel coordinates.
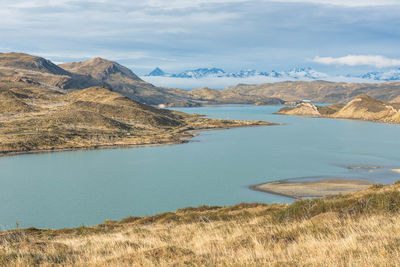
(176, 35)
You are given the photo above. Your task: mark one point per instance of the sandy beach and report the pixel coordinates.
(312, 189)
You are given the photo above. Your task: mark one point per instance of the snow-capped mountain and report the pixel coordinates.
(200, 73)
(296, 74)
(306, 73)
(157, 72)
(391, 75)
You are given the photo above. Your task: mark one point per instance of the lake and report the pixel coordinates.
(69, 189)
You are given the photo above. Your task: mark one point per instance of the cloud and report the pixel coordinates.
(349, 3)
(359, 60)
(181, 34)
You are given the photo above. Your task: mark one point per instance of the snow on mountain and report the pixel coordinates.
(391, 75)
(296, 74)
(306, 73)
(200, 73)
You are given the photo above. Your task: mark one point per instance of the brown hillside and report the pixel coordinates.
(124, 81)
(20, 61)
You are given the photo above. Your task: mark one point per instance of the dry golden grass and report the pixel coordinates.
(360, 229)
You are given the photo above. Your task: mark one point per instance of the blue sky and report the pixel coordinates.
(329, 35)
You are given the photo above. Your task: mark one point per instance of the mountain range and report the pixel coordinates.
(18, 67)
(293, 74)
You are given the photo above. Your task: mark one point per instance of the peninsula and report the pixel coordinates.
(35, 119)
(361, 107)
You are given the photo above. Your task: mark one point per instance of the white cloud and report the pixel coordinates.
(358, 60)
(349, 3)
(183, 4)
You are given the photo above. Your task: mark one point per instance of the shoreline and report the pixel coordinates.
(183, 140)
(334, 118)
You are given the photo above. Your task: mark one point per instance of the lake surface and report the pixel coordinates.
(69, 189)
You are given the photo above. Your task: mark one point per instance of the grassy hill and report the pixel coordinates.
(36, 118)
(358, 229)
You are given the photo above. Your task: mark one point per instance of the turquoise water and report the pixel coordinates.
(87, 187)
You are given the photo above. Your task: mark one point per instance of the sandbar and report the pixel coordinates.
(312, 189)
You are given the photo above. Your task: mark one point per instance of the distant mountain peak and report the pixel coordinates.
(157, 72)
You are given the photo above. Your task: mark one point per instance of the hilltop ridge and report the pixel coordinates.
(99, 68)
(21, 61)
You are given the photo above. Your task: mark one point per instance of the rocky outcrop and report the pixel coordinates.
(302, 109)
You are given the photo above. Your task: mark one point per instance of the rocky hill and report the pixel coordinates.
(35, 118)
(357, 229)
(123, 80)
(362, 107)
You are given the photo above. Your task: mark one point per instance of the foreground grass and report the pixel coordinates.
(359, 229)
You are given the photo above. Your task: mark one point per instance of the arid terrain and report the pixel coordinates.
(86, 105)
(358, 229)
(34, 118)
(362, 107)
